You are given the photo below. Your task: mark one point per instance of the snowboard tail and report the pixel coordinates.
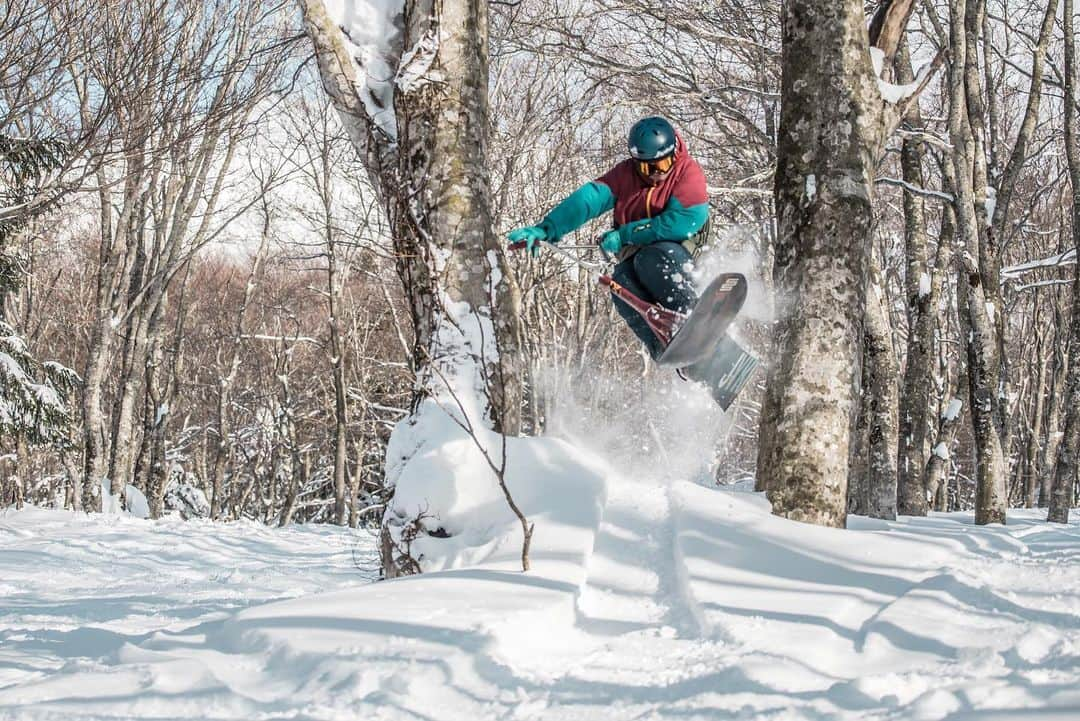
(726, 372)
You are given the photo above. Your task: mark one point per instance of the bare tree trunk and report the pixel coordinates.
(23, 471)
(950, 421)
(341, 415)
(301, 472)
(980, 334)
(1058, 376)
(161, 382)
(921, 294)
(436, 195)
(434, 185)
(880, 368)
(1033, 472)
(1065, 471)
(94, 422)
(300, 463)
(823, 200)
(859, 461)
(355, 479)
(334, 283)
(1068, 458)
(159, 407)
(223, 454)
(133, 373)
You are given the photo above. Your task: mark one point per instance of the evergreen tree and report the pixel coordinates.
(32, 395)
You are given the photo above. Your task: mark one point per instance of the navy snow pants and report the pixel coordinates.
(657, 273)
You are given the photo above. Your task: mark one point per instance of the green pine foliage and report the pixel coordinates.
(33, 396)
(24, 167)
(37, 411)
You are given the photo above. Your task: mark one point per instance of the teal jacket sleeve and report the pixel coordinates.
(675, 223)
(587, 202)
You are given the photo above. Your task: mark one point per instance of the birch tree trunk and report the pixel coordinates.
(1032, 470)
(337, 368)
(859, 461)
(107, 307)
(953, 415)
(1061, 497)
(980, 338)
(937, 468)
(922, 291)
(925, 288)
(430, 170)
(95, 433)
(223, 453)
(1057, 391)
(160, 385)
(431, 173)
(880, 370)
(824, 180)
(299, 464)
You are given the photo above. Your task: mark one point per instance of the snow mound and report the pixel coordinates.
(445, 476)
(134, 504)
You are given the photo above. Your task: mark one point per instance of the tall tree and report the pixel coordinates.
(875, 495)
(1000, 231)
(981, 263)
(832, 124)
(1068, 452)
(33, 397)
(182, 108)
(915, 397)
(424, 139)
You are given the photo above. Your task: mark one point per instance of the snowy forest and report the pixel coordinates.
(208, 292)
(258, 296)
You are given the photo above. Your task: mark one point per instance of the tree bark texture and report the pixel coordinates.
(912, 446)
(1061, 496)
(337, 368)
(95, 427)
(435, 188)
(938, 465)
(829, 126)
(1038, 412)
(980, 263)
(1057, 389)
(880, 375)
(433, 181)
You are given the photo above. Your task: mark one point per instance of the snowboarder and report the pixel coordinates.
(661, 218)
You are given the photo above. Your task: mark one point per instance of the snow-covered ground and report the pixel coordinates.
(681, 602)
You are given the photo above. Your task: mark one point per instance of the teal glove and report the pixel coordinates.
(532, 235)
(611, 242)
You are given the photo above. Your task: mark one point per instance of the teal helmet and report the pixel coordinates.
(651, 138)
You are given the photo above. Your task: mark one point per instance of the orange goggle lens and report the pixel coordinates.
(655, 167)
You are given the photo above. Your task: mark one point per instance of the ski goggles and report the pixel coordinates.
(656, 167)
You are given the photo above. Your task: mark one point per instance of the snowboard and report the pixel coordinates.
(697, 337)
(725, 372)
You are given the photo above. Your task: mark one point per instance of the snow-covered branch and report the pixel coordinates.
(915, 189)
(1061, 259)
